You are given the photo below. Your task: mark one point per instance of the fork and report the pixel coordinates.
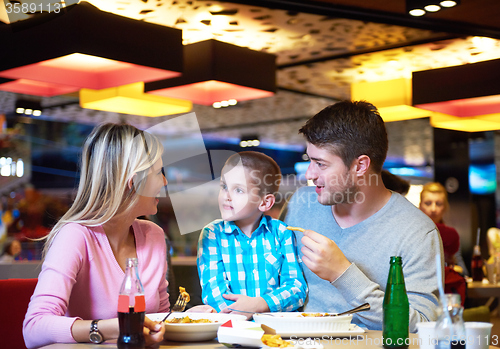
(179, 306)
(362, 307)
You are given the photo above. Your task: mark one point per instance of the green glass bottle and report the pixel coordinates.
(396, 308)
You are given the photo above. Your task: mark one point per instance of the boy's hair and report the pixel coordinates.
(264, 171)
(349, 129)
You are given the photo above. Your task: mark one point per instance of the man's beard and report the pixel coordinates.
(345, 192)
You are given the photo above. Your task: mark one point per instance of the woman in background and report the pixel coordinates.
(434, 203)
(86, 251)
(11, 249)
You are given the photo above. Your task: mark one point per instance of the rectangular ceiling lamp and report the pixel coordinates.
(131, 99)
(466, 124)
(215, 71)
(84, 47)
(467, 96)
(35, 88)
(393, 98)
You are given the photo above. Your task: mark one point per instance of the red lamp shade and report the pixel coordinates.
(84, 47)
(466, 97)
(36, 88)
(215, 71)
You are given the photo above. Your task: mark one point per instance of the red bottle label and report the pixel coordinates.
(123, 306)
(140, 303)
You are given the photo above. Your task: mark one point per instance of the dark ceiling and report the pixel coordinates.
(322, 48)
(471, 17)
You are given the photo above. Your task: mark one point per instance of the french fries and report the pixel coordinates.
(296, 228)
(275, 340)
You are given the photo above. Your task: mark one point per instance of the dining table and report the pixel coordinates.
(482, 289)
(368, 340)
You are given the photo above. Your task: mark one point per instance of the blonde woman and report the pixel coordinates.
(85, 253)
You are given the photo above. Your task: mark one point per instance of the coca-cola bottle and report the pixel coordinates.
(477, 264)
(131, 309)
(477, 260)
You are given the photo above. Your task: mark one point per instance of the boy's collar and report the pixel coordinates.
(230, 226)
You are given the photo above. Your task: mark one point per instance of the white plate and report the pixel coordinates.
(354, 330)
(293, 322)
(194, 332)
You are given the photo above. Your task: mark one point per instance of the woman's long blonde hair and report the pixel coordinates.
(111, 155)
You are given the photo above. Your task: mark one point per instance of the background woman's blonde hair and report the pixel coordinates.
(435, 187)
(111, 155)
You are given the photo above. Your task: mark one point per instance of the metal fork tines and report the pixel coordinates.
(179, 306)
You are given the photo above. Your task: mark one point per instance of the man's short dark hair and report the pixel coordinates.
(349, 129)
(264, 171)
(395, 183)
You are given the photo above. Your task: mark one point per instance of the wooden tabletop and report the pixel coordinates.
(368, 340)
(478, 289)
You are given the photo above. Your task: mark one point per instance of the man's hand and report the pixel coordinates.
(245, 303)
(322, 256)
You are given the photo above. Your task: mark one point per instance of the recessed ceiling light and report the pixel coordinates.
(417, 12)
(432, 8)
(448, 3)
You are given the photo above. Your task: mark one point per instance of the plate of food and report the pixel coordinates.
(297, 324)
(353, 331)
(190, 327)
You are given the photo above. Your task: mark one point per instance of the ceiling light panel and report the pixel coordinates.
(290, 35)
(333, 78)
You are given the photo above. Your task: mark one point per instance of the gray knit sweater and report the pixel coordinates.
(398, 229)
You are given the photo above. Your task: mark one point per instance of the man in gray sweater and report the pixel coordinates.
(354, 224)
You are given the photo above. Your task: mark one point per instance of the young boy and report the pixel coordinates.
(248, 261)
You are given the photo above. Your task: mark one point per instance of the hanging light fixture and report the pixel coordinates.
(28, 107)
(131, 99)
(84, 47)
(215, 71)
(419, 8)
(393, 98)
(249, 141)
(463, 98)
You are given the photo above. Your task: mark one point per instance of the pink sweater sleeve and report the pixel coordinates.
(45, 320)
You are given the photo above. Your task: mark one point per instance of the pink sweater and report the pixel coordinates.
(81, 279)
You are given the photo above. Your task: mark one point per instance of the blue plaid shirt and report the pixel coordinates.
(264, 265)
